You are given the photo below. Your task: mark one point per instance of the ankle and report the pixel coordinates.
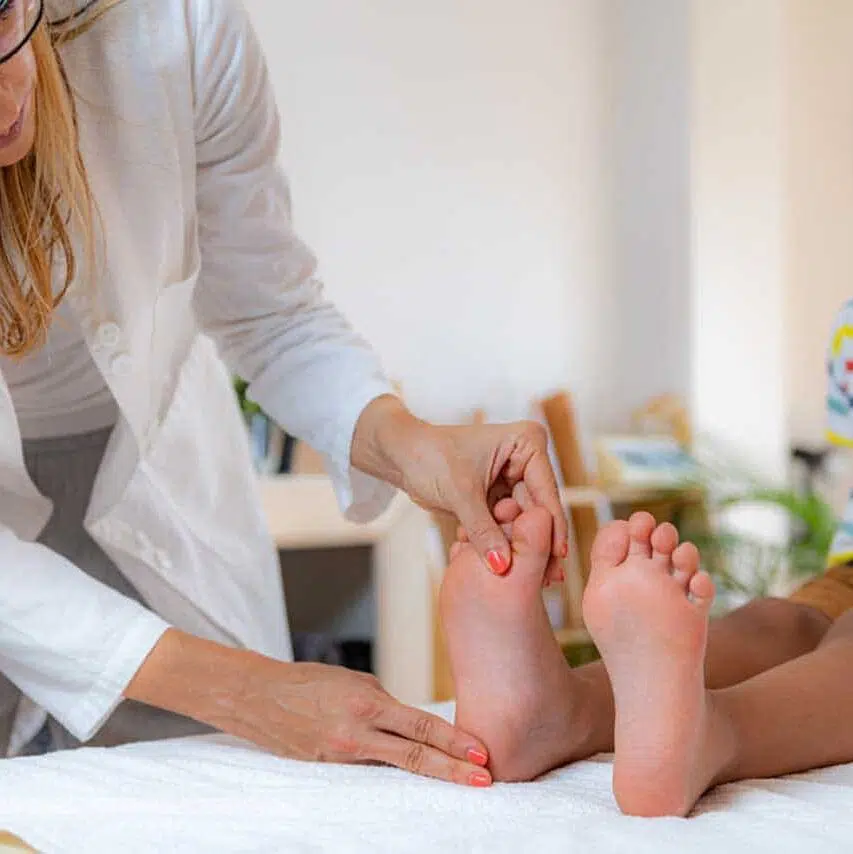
(592, 710)
(723, 742)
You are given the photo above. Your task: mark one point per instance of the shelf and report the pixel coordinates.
(302, 513)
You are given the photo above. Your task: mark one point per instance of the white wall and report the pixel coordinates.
(505, 202)
(739, 222)
(452, 166)
(649, 52)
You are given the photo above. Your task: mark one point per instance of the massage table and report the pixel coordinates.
(215, 794)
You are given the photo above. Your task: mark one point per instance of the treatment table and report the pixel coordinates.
(215, 794)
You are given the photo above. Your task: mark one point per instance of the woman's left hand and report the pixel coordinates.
(464, 470)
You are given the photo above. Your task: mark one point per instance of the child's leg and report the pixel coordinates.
(505, 699)
(759, 636)
(648, 613)
(796, 716)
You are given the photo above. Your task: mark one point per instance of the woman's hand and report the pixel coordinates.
(464, 471)
(303, 711)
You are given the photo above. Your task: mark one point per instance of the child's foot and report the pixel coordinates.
(514, 689)
(646, 606)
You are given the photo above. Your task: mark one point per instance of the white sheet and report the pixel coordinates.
(217, 795)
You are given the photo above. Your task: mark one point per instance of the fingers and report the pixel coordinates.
(554, 572)
(426, 744)
(485, 534)
(542, 486)
(530, 465)
(506, 511)
(422, 759)
(416, 725)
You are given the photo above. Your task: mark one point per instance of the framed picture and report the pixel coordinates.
(645, 461)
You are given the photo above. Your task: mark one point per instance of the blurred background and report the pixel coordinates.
(619, 199)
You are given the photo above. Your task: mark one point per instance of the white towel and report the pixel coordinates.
(215, 794)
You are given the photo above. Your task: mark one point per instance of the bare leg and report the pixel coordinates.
(669, 727)
(573, 710)
(794, 717)
(760, 635)
(757, 637)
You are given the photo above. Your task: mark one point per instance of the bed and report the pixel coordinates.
(215, 794)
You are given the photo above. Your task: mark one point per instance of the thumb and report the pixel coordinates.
(485, 535)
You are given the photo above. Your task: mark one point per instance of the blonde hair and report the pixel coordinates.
(45, 199)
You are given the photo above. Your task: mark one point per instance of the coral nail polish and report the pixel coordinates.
(477, 757)
(497, 562)
(480, 781)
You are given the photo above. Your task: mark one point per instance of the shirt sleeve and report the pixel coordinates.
(259, 296)
(68, 642)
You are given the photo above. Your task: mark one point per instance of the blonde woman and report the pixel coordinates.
(146, 245)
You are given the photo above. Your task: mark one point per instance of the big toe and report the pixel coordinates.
(531, 540)
(611, 545)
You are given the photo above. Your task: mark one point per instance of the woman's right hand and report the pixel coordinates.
(303, 711)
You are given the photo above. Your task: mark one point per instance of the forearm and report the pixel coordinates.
(301, 711)
(193, 677)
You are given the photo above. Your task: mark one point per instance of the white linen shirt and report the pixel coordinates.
(180, 135)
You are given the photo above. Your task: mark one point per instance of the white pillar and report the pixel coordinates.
(739, 228)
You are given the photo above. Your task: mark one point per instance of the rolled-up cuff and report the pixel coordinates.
(362, 498)
(91, 711)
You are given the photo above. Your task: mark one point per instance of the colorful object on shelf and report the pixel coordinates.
(645, 461)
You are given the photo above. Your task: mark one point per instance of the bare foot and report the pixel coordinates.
(646, 606)
(514, 689)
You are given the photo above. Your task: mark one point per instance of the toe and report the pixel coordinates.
(531, 540)
(664, 540)
(506, 510)
(685, 563)
(702, 591)
(610, 547)
(641, 526)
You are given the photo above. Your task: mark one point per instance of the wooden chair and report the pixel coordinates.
(587, 507)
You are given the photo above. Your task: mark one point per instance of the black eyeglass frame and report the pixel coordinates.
(25, 40)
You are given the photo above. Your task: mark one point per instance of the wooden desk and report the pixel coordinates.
(302, 513)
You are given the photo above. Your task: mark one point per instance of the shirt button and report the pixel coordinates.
(121, 365)
(108, 335)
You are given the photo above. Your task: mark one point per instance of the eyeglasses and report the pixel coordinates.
(18, 22)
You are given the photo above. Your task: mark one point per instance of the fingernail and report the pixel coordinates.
(497, 562)
(481, 781)
(564, 551)
(477, 757)
(561, 576)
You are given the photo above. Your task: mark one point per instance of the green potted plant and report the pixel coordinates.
(745, 565)
(268, 441)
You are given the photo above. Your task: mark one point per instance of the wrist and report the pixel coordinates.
(193, 677)
(383, 436)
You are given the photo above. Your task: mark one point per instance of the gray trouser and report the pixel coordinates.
(64, 470)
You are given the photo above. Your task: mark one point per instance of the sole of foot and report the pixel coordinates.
(646, 606)
(514, 689)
